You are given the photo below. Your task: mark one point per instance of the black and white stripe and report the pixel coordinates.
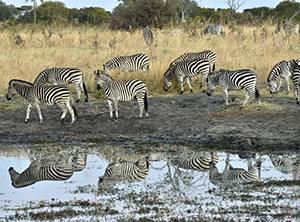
(282, 70)
(287, 28)
(296, 79)
(40, 170)
(122, 91)
(184, 70)
(200, 163)
(213, 30)
(234, 80)
(44, 95)
(128, 63)
(124, 170)
(148, 35)
(64, 76)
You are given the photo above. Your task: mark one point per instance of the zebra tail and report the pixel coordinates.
(85, 91)
(146, 101)
(257, 96)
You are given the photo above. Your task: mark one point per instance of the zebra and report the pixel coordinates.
(213, 30)
(148, 35)
(296, 79)
(284, 70)
(122, 91)
(128, 63)
(124, 170)
(64, 76)
(207, 54)
(288, 28)
(200, 163)
(234, 80)
(45, 95)
(286, 164)
(186, 69)
(230, 174)
(42, 169)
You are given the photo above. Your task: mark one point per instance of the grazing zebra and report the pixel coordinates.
(207, 54)
(64, 76)
(186, 69)
(42, 169)
(230, 174)
(45, 95)
(128, 63)
(213, 30)
(284, 70)
(148, 35)
(200, 163)
(287, 28)
(234, 80)
(122, 91)
(124, 170)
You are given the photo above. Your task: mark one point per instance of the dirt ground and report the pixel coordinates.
(191, 119)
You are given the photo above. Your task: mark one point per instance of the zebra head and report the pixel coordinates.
(211, 82)
(11, 90)
(167, 80)
(98, 80)
(106, 68)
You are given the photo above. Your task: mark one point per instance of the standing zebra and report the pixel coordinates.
(42, 169)
(122, 91)
(124, 170)
(148, 35)
(213, 30)
(128, 63)
(284, 70)
(64, 76)
(296, 79)
(187, 69)
(45, 95)
(234, 80)
(230, 174)
(287, 28)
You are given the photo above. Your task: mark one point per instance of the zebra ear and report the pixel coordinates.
(95, 72)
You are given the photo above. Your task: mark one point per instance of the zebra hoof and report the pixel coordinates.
(181, 92)
(204, 91)
(86, 100)
(77, 101)
(26, 121)
(62, 121)
(191, 91)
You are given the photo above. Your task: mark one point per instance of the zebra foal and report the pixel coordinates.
(213, 30)
(128, 63)
(148, 35)
(48, 96)
(234, 80)
(121, 91)
(64, 76)
(185, 70)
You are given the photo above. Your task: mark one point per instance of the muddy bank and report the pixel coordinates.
(193, 119)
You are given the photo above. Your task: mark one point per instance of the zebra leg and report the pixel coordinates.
(77, 88)
(279, 84)
(39, 112)
(225, 91)
(246, 99)
(181, 82)
(64, 108)
(110, 108)
(205, 84)
(296, 93)
(288, 84)
(116, 108)
(141, 105)
(70, 108)
(189, 84)
(28, 113)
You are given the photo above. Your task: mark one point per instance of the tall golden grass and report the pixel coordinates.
(25, 52)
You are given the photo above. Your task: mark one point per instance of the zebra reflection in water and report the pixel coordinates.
(48, 168)
(233, 175)
(286, 164)
(124, 170)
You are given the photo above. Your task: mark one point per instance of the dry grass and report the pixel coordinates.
(24, 52)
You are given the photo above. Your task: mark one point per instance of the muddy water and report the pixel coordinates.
(180, 184)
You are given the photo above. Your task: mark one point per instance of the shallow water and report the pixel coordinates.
(166, 191)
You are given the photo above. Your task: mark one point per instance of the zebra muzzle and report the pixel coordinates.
(209, 94)
(98, 87)
(8, 97)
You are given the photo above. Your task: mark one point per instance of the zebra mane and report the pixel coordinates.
(20, 81)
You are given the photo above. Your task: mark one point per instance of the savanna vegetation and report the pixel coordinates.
(87, 38)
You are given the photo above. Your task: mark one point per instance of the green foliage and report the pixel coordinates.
(7, 11)
(92, 15)
(51, 12)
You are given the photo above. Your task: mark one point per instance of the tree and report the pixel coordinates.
(34, 8)
(7, 11)
(51, 12)
(234, 5)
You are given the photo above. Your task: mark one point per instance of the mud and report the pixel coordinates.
(191, 119)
